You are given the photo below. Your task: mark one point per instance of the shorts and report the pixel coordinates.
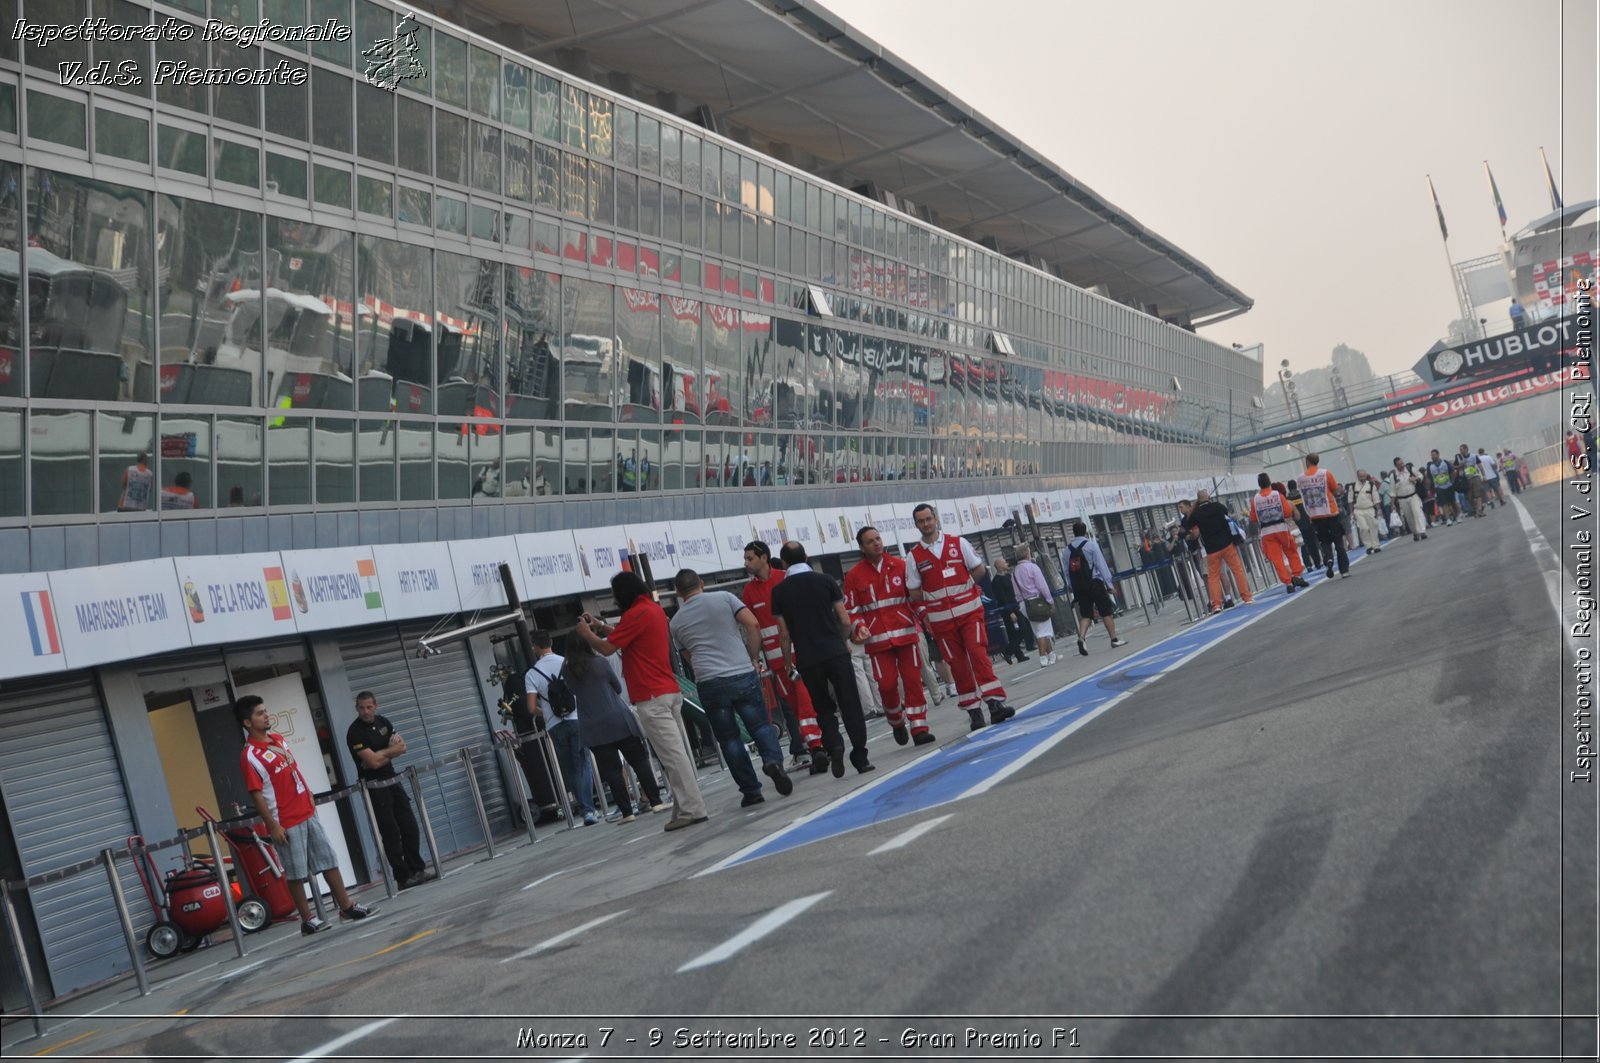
(307, 851)
(1098, 598)
(1044, 629)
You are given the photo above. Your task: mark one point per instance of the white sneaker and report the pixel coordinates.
(950, 690)
(1044, 661)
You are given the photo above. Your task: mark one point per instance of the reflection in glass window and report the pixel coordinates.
(517, 96)
(288, 461)
(286, 105)
(415, 206)
(450, 139)
(330, 118)
(547, 108)
(310, 333)
(174, 92)
(546, 177)
(791, 380)
(450, 214)
(484, 83)
(450, 70)
(127, 457)
(331, 185)
(649, 144)
(286, 175)
(236, 103)
(335, 451)
(91, 310)
(240, 475)
(639, 333)
(184, 471)
(723, 391)
(604, 461)
(374, 196)
(519, 168)
(485, 157)
(484, 455)
(532, 315)
(575, 185)
(626, 136)
(649, 207)
(627, 204)
(56, 119)
(680, 452)
(469, 291)
(395, 343)
(671, 165)
(588, 360)
(453, 464)
(121, 135)
(547, 478)
(650, 458)
(574, 106)
(416, 134)
(600, 126)
(375, 123)
(415, 441)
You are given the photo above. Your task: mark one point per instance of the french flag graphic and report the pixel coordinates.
(41, 623)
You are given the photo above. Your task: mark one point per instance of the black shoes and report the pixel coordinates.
(819, 761)
(1299, 581)
(752, 799)
(858, 757)
(836, 762)
(923, 738)
(976, 718)
(999, 711)
(1083, 649)
(780, 779)
(901, 735)
(356, 911)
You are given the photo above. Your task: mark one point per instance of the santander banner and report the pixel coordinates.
(1493, 395)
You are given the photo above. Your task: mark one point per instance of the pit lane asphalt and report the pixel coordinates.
(1355, 805)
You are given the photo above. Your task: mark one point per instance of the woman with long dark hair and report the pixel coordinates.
(610, 729)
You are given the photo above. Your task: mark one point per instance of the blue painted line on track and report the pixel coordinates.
(957, 769)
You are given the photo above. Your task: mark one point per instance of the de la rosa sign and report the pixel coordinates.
(1491, 396)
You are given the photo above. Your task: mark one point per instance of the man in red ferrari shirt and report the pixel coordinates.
(286, 806)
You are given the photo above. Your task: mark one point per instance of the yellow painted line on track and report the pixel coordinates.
(407, 941)
(64, 1044)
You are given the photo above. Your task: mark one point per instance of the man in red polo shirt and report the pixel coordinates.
(286, 806)
(642, 634)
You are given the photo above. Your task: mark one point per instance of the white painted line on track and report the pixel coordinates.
(324, 1051)
(236, 970)
(640, 838)
(754, 932)
(906, 837)
(563, 938)
(1549, 562)
(547, 878)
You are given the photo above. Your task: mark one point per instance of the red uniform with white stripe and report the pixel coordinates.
(876, 596)
(955, 615)
(757, 597)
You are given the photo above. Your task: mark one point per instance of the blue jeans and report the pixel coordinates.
(574, 758)
(723, 698)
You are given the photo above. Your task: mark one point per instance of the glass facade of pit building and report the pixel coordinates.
(320, 295)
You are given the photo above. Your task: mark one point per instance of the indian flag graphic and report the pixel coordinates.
(369, 583)
(277, 593)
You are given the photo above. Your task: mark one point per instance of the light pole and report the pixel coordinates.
(1290, 405)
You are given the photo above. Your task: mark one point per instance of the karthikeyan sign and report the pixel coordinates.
(1492, 354)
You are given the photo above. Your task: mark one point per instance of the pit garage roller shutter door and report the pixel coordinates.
(66, 801)
(437, 706)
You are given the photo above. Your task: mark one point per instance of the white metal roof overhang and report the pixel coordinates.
(800, 78)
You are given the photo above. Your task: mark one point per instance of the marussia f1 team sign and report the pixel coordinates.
(1489, 396)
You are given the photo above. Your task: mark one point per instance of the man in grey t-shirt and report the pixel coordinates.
(721, 641)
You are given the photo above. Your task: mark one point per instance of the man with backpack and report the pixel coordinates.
(549, 690)
(1090, 579)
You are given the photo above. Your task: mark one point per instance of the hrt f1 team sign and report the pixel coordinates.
(1499, 354)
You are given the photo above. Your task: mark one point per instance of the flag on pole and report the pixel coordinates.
(1549, 178)
(1494, 189)
(1444, 230)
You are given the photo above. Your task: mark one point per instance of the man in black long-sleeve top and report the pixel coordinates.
(1004, 594)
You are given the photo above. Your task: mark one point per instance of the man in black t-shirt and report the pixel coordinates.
(375, 745)
(812, 626)
(1208, 521)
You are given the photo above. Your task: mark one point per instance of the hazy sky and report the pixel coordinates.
(1285, 144)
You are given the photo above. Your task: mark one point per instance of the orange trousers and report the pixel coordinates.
(1278, 546)
(1214, 562)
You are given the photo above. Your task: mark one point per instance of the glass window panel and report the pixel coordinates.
(764, 240)
(375, 123)
(450, 214)
(519, 168)
(823, 345)
(519, 230)
(309, 353)
(239, 466)
(416, 134)
(450, 136)
(730, 176)
(546, 176)
(649, 144)
(415, 440)
(649, 474)
(547, 107)
(671, 165)
(791, 379)
(121, 135)
(747, 227)
(236, 103)
(485, 455)
(602, 203)
(485, 157)
(288, 461)
(394, 345)
(117, 53)
(626, 136)
(89, 327)
(335, 451)
(126, 455)
(332, 50)
(58, 120)
(724, 371)
(453, 465)
(680, 451)
(286, 176)
(627, 202)
(574, 109)
(330, 119)
(600, 126)
(374, 196)
(604, 457)
(517, 96)
(286, 104)
(671, 214)
(649, 207)
(532, 323)
(287, 13)
(546, 237)
(763, 189)
(450, 69)
(416, 206)
(238, 164)
(730, 233)
(547, 451)
(575, 185)
(639, 329)
(691, 220)
(173, 92)
(691, 174)
(587, 358)
(711, 168)
(484, 83)
(184, 469)
(8, 107)
(468, 350)
(331, 185)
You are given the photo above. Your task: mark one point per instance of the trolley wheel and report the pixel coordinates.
(253, 915)
(164, 939)
(191, 943)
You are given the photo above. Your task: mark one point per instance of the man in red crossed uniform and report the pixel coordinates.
(940, 573)
(757, 597)
(875, 594)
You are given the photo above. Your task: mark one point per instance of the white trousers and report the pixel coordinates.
(1367, 526)
(1411, 513)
